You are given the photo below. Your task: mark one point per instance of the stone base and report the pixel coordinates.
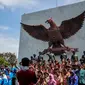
(60, 50)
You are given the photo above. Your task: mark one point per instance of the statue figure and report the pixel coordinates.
(55, 35)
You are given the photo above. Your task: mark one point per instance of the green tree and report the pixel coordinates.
(3, 61)
(9, 57)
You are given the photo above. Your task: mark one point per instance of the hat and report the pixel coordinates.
(64, 53)
(76, 55)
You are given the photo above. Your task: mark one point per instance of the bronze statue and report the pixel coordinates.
(55, 35)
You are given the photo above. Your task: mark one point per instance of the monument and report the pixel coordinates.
(69, 21)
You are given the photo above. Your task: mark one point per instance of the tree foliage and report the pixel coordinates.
(8, 57)
(3, 61)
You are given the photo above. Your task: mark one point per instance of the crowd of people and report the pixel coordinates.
(69, 71)
(8, 74)
(38, 71)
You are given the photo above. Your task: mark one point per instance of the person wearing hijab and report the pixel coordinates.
(51, 80)
(73, 79)
(82, 75)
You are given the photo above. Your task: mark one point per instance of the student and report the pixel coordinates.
(73, 80)
(26, 76)
(10, 76)
(51, 80)
(4, 79)
(14, 70)
(0, 78)
(82, 76)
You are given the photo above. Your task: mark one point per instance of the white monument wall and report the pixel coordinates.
(29, 45)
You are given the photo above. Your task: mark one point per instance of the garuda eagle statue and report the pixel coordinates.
(55, 35)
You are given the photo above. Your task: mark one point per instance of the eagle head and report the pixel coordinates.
(49, 20)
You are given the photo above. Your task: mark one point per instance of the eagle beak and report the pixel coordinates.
(46, 21)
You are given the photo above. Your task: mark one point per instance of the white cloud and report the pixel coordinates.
(8, 44)
(18, 3)
(4, 27)
(28, 4)
(1, 6)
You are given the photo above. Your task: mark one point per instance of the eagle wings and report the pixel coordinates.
(67, 28)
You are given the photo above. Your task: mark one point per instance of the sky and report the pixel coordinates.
(10, 17)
